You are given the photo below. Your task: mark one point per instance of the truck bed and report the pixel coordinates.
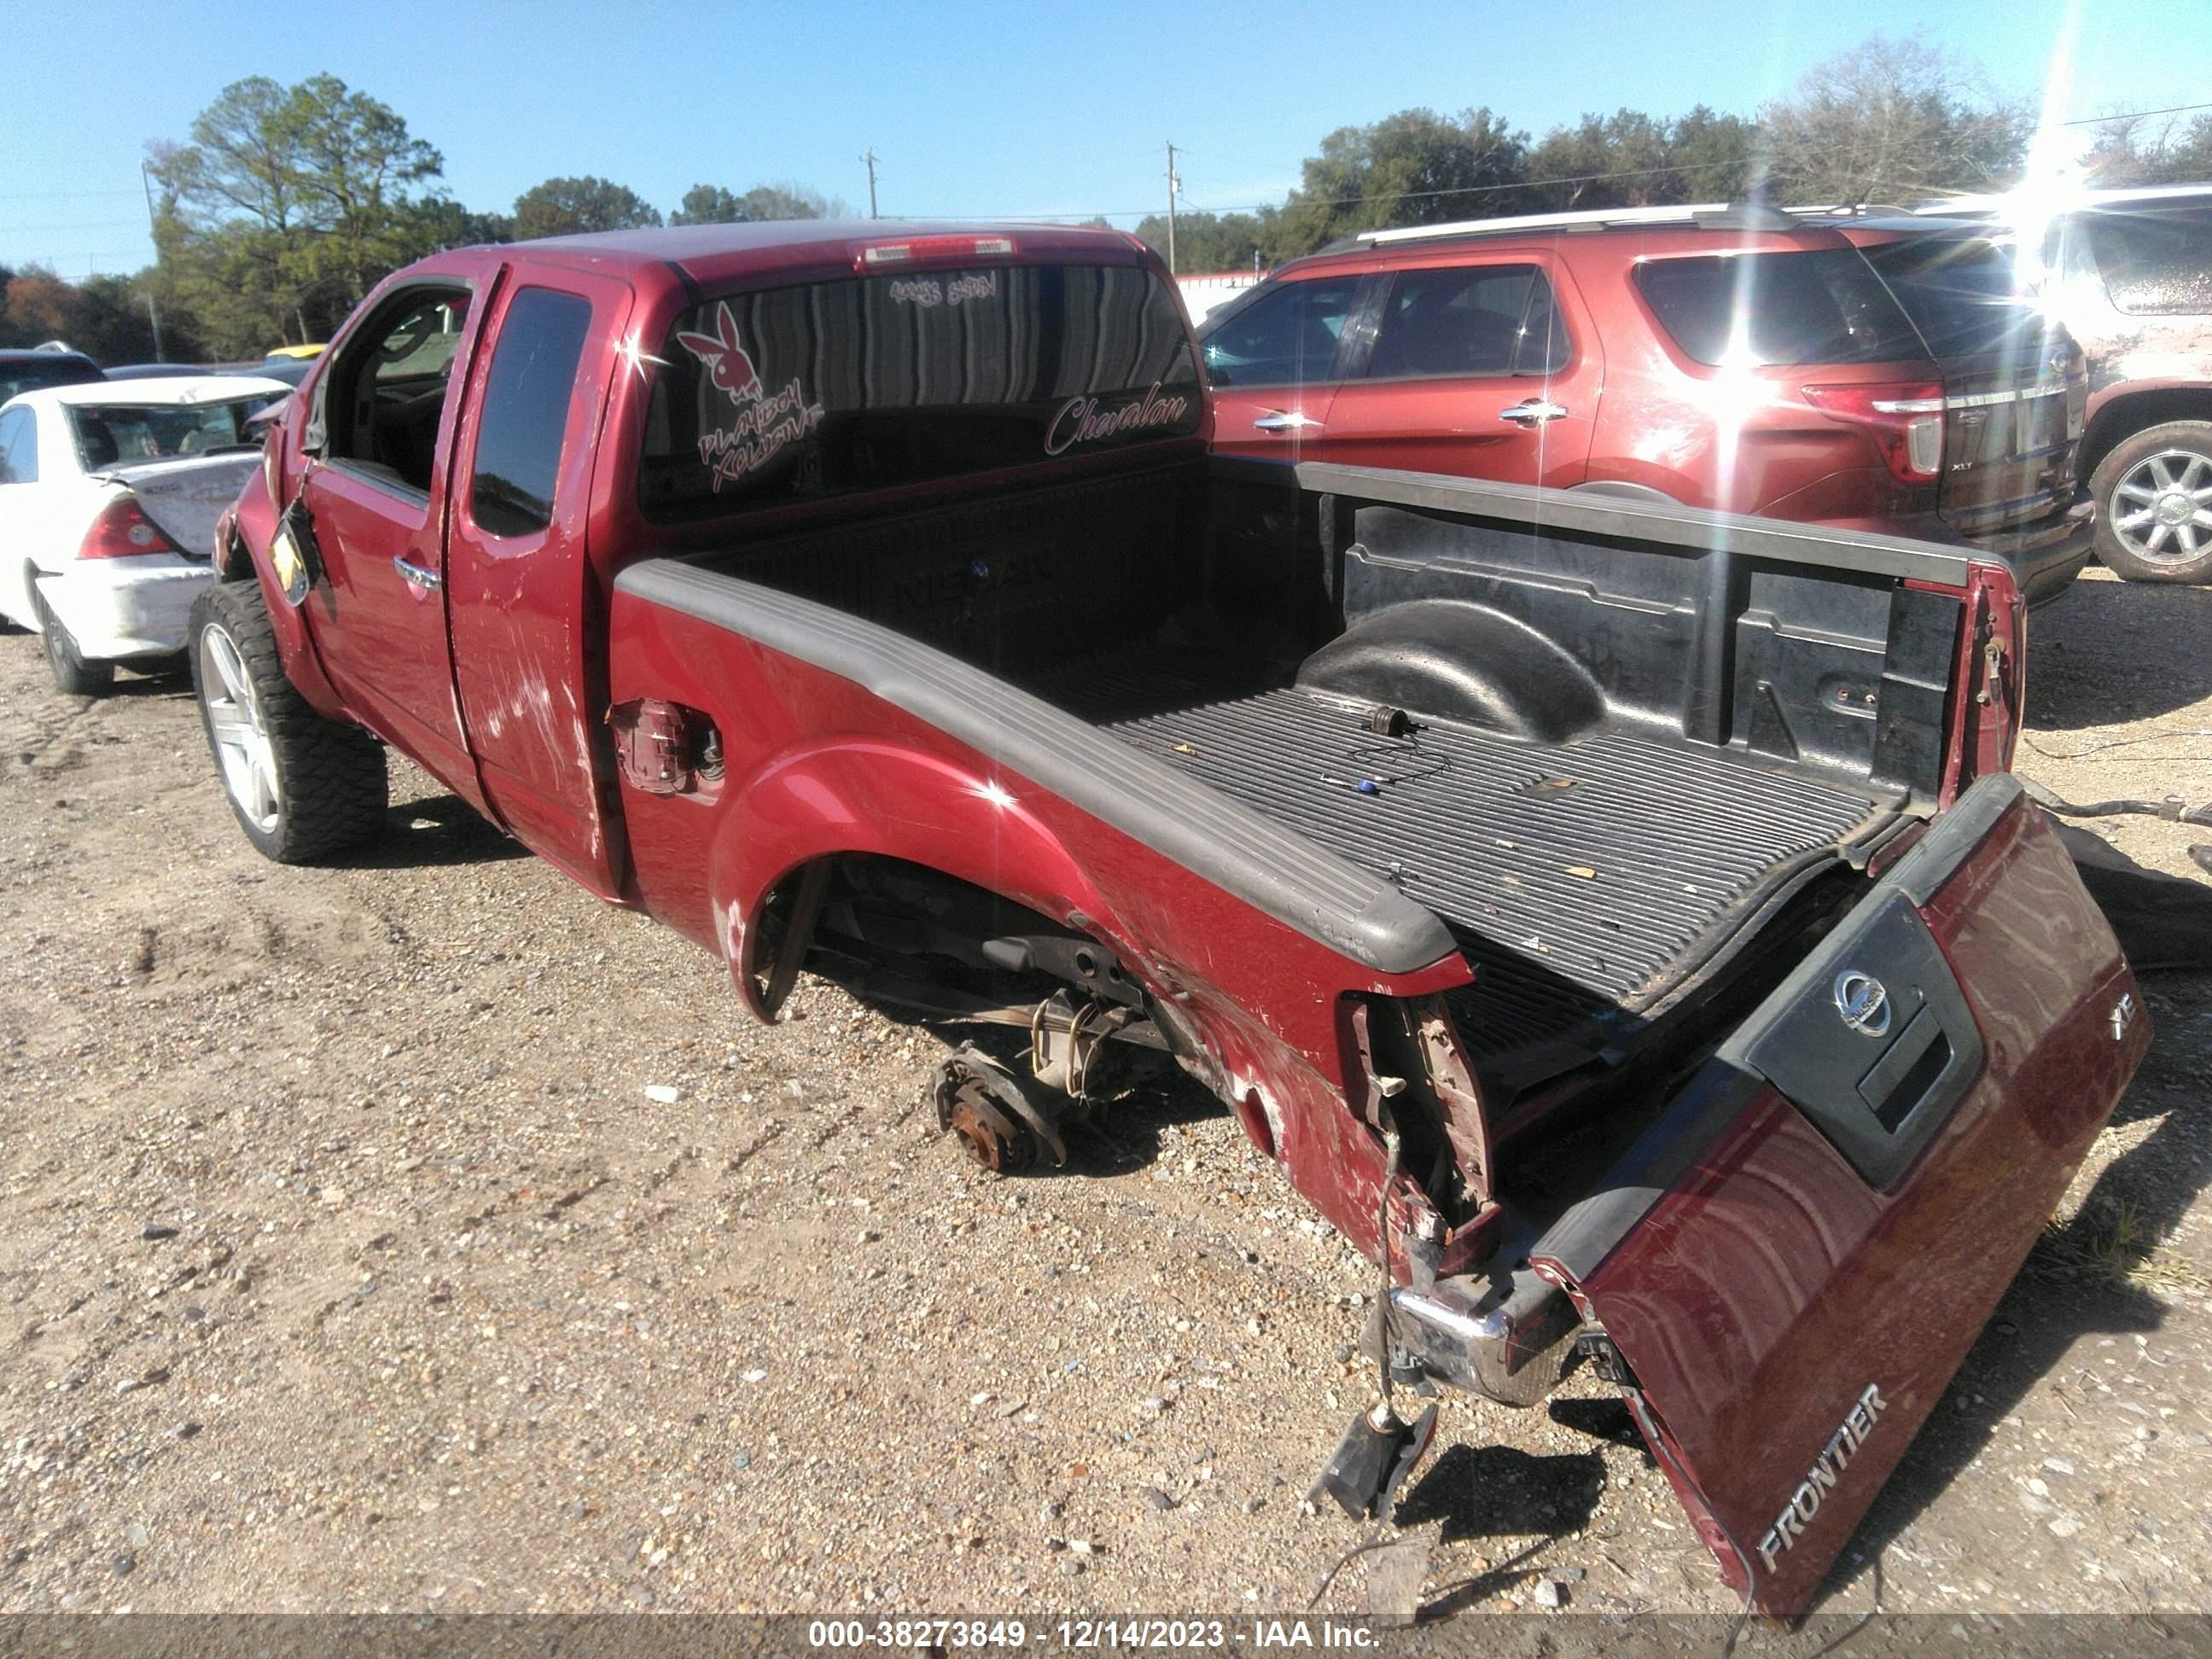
(1631, 752)
(1584, 880)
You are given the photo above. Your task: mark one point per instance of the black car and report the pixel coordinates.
(152, 371)
(27, 371)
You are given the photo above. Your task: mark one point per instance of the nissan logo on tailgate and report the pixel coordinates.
(1864, 1002)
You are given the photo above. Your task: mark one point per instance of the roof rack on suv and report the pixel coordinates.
(2067, 200)
(1850, 210)
(1701, 216)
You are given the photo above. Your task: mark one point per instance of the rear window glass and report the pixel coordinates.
(1819, 306)
(1962, 295)
(117, 434)
(800, 393)
(525, 410)
(2156, 262)
(27, 376)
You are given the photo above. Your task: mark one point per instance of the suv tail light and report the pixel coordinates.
(122, 531)
(1903, 417)
(932, 250)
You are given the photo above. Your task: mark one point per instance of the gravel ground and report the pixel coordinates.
(357, 1256)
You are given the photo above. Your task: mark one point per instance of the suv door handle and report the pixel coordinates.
(1276, 420)
(1532, 413)
(415, 575)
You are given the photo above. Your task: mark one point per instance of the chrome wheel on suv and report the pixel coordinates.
(2162, 509)
(2153, 495)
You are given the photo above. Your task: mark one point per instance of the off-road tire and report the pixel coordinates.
(2185, 438)
(73, 676)
(330, 786)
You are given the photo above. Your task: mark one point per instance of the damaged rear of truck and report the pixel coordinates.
(1616, 919)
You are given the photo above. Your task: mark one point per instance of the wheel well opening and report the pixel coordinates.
(920, 945)
(2121, 419)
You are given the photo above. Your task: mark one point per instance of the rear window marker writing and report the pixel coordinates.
(927, 291)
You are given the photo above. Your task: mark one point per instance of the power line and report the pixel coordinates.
(1351, 201)
(2132, 115)
(87, 224)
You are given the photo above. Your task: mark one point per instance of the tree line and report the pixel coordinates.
(286, 204)
(1894, 121)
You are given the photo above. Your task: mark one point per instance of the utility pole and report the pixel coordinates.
(153, 228)
(1174, 185)
(870, 158)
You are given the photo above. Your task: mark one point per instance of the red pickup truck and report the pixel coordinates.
(1617, 919)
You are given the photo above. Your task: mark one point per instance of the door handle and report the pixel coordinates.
(1276, 420)
(1532, 413)
(415, 575)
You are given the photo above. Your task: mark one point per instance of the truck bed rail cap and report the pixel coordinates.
(1281, 874)
(1586, 513)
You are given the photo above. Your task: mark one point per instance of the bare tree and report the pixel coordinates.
(2135, 149)
(1892, 120)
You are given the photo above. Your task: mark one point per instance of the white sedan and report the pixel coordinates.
(109, 494)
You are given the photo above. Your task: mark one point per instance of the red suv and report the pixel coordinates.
(1873, 372)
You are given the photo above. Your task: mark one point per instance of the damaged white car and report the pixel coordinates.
(109, 494)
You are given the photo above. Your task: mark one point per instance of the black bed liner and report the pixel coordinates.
(1583, 881)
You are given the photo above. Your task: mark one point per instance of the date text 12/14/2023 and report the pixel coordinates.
(904, 1635)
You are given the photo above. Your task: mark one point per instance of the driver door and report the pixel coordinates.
(386, 410)
(1273, 362)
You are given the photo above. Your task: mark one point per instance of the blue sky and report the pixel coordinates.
(975, 107)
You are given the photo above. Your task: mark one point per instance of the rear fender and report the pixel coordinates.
(874, 798)
(818, 763)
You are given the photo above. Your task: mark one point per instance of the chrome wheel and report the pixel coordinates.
(238, 731)
(2161, 509)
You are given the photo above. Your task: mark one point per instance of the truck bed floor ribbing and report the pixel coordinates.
(1578, 877)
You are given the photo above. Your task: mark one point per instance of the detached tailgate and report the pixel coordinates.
(1794, 1261)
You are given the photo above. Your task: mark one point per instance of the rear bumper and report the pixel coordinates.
(2043, 557)
(118, 609)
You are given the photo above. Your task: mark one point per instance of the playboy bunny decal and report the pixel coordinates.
(766, 422)
(727, 363)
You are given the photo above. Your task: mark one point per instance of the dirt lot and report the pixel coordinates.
(348, 1263)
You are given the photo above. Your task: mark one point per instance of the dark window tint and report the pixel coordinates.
(525, 410)
(27, 373)
(1963, 296)
(1475, 319)
(19, 446)
(1286, 335)
(1822, 305)
(2156, 262)
(798, 393)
